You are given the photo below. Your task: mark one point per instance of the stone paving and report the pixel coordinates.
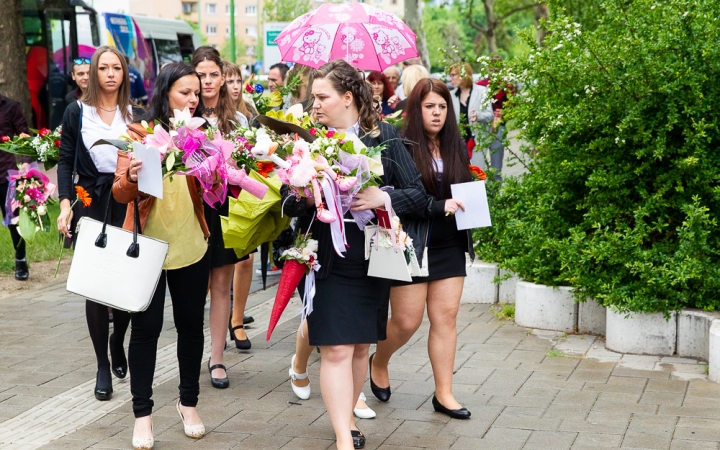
(525, 390)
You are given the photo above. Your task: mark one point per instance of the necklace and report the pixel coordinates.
(209, 111)
(108, 110)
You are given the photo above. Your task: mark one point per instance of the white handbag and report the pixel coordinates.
(116, 267)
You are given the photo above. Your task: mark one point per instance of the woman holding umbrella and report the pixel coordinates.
(350, 308)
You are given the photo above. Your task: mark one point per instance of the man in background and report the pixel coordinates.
(276, 76)
(81, 76)
(393, 75)
(12, 123)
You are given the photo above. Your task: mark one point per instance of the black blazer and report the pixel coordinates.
(408, 196)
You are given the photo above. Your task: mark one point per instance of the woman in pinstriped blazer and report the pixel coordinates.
(350, 308)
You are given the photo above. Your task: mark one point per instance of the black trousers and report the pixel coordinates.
(188, 289)
(17, 240)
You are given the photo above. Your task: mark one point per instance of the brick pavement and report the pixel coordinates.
(525, 389)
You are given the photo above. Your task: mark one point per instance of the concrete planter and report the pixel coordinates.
(693, 333)
(506, 290)
(545, 307)
(479, 286)
(714, 352)
(641, 334)
(591, 318)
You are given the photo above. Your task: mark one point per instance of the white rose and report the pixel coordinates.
(41, 210)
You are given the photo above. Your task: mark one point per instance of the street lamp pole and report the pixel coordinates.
(232, 31)
(199, 7)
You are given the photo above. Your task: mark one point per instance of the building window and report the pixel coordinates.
(250, 10)
(251, 31)
(189, 7)
(211, 30)
(227, 31)
(211, 8)
(394, 2)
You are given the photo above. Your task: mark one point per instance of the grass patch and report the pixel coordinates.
(555, 354)
(45, 246)
(504, 311)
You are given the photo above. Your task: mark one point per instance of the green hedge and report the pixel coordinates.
(624, 190)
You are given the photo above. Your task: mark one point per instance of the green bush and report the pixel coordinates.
(624, 120)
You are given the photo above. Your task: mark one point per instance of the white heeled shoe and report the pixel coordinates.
(144, 443)
(366, 413)
(191, 431)
(303, 393)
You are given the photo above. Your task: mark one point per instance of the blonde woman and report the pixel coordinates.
(469, 100)
(410, 77)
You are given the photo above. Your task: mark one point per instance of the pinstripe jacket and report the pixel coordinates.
(408, 196)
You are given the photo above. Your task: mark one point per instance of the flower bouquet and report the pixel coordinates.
(28, 193)
(44, 147)
(263, 101)
(395, 119)
(299, 260)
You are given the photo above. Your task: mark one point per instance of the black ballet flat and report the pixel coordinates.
(382, 394)
(218, 383)
(248, 319)
(241, 344)
(118, 364)
(102, 393)
(358, 439)
(461, 413)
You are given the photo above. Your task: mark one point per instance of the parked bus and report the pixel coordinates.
(51, 38)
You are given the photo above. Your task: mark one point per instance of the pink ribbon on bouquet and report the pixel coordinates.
(337, 227)
(203, 161)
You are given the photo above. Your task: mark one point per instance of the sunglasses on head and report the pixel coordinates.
(78, 61)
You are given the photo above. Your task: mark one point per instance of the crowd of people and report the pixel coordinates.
(351, 309)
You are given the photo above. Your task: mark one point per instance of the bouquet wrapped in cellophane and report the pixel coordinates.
(28, 193)
(44, 147)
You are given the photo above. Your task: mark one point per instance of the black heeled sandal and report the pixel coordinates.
(218, 383)
(241, 344)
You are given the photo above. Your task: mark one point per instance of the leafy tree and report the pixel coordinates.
(285, 10)
(623, 122)
(13, 79)
(240, 49)
(494, 18)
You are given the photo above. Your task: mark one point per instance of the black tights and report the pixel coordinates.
(99, 326)
(17, 240)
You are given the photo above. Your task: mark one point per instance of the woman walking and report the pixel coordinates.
(440, 156)
(103, 112)
(220, 111)
(468, 100)
(350, 308)
(178, 219)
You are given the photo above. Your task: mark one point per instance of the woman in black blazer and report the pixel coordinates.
(439, 153)
(351, 309)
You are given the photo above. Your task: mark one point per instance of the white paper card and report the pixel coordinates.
(474, 197)
(150, 175)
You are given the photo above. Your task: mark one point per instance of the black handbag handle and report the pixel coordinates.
(134, 250)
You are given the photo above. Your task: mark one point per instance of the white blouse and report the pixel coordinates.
(94, 129)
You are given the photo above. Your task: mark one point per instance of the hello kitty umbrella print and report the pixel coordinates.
(367, 38)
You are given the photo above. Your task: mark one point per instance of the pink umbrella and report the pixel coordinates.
(366, 37)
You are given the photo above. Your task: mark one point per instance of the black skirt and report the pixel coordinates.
(443, 262)
(349, 307)
(219, 255)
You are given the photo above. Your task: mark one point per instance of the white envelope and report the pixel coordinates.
(150, 179)
(474, 197)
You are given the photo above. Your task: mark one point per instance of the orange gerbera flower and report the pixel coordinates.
(264, 168)
(477, 173)
(83, 196)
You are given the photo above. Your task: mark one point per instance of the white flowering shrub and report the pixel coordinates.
(623, 124)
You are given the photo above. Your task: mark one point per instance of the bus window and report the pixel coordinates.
(58, 32)
(186, 46)
(167, 51)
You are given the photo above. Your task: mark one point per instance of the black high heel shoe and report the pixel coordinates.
(102, 393)
(218, 383)
(241, 344)
(118, 364)
(461, 413)
(382, 394)
(358, 439)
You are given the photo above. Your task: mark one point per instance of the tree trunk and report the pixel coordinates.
(13, 73)
(542, 12)
(413, 19)
(490, 29)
